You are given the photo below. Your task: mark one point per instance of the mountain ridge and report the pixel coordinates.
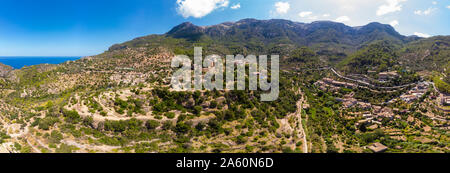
(322, 35)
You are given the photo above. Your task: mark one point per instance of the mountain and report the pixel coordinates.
(334, 43)
(268, 31)
(266, 35)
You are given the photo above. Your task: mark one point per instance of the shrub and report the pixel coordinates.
(197, 110)
(56, 137)
(167, 125)
(47, 122)
(72, 116)
(170, 115)
(152, 124)
(213, 104)
(182, 127)
(121, 126)
(103, 113)
(88, 121)
(241, 139)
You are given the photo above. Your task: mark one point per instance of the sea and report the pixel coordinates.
(17, 62)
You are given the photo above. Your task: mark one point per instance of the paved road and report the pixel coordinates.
(359, 81)
(371, 85)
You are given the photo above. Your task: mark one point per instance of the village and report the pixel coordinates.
(373, 116)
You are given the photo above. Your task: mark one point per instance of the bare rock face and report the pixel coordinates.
(4, 70)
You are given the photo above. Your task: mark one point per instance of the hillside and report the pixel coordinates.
(379, 57)
(430, 54)
(4, 70)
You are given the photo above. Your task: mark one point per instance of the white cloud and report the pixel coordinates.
(237, 6)
(199, 8)
(434, 3)
(326, 15)
(350, 5)
(448, 7)
(422, 35)
(305, 13)
(425, 12)
(393, 23)
(342, 19)
(282, 7)
(390, 7)
(313, 17)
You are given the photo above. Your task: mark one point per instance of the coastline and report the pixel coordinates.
(18, 62)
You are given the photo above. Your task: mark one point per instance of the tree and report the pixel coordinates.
(47, 122)
(88, 121)
(213, 104)
(229, 115)
(55, 137)
(182, 128)
(72, 116)
(170, 115)
(152, 124)
(197, 110)
(200, 126)
(167, 125)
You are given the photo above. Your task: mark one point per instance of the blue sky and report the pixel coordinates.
(89, 27)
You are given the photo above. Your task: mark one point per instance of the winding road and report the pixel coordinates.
(298, 114)
(368, 84)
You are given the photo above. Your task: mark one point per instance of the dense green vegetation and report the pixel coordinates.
(428, 54)
(3, 136)
(379, 56)
(441, 85)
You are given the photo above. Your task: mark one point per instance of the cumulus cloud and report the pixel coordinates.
(434, 2)
(425, 12)
(282, 7)
(342, 19)
(237, 6)
(326, 15)
(305, 13)
(448, 7)
(390, 7)
(393, 23)
(199, 8)
(422, 35)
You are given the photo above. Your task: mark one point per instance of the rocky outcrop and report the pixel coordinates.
(4, 70)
